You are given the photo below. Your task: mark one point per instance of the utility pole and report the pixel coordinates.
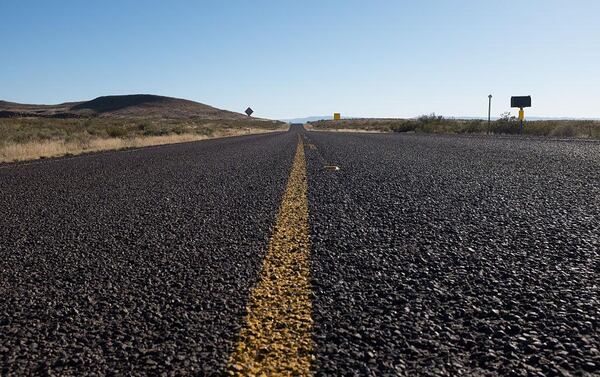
(489, 111)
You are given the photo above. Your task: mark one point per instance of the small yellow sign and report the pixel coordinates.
(337, 116)
(521, 114)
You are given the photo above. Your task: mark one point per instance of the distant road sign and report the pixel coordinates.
(522, 101)
(249, 111)
(337, 116)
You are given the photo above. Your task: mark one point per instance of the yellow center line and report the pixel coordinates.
(277, 336)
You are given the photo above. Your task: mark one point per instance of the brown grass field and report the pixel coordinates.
(33, 138)
(587, 129)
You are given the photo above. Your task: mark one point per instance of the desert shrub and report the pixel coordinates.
(471, 126)
(179, 130)
(437, 124)
(143, 126)
(429, 119)
(591, 129)
(151, 129)
(205, 130)
(564, 130)
(116, 131)
(505, 128)
(158, 131)
(432, 123)
(83, 139)
(507, 124)
(96, 131)
(428, 128)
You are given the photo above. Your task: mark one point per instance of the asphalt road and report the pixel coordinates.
(429, 255)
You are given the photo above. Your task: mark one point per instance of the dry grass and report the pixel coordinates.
(53, 148)
(439, 125)
(349, 130)
(31, 150)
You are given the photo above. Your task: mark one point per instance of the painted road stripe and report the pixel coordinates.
(277, 336)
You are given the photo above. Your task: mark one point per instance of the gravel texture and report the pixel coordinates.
(430, 255)
(135, 262)
(277, 337)
(447, 255)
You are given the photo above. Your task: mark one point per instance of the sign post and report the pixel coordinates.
(521, 102)
(489, 111)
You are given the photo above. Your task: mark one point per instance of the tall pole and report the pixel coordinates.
(489, 111)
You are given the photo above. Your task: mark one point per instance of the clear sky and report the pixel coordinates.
(298, 58)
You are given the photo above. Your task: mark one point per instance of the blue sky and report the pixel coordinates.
(299, 58)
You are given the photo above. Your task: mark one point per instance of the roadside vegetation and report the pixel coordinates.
(32, 138)
(436, 124)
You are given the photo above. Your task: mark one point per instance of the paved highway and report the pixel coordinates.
(420, 255)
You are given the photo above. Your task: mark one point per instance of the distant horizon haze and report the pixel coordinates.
(330, 117)
(285, 59)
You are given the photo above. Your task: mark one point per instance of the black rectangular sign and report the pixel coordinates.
(523, 101)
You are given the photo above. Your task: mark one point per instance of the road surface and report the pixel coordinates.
(417, 255)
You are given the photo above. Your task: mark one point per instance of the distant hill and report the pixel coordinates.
(307, 119)
(124, 106)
